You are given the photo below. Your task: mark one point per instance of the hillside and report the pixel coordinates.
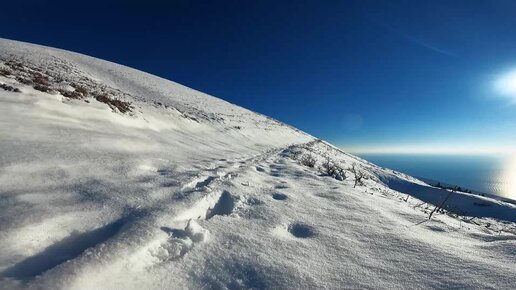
(112, 178)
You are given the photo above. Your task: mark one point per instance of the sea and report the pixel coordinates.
(490, 174)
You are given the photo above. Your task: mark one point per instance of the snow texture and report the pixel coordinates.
(112, 178)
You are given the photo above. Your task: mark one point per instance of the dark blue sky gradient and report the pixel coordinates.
(358, 73)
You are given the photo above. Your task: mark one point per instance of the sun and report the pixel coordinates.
(505, 85)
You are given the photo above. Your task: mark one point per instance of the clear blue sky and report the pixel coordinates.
(366, 75)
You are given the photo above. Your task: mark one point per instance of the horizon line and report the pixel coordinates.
(429, 150)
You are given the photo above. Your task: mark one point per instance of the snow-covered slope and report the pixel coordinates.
(111, 178)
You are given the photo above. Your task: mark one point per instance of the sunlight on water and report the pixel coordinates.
(490, 174)
(509, 178)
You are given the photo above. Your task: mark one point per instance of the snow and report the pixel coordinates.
(187, 191)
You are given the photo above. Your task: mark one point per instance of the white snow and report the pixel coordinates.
(187, 191)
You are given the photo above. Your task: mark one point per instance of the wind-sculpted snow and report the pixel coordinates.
(186, 191)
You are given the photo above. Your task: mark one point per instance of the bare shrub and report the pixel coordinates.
(42, 88)
(307, 160)
(9, 88)
(358, 173)
(122, 106)
(40, 80)
(15, 64)
(333, 169)
(294, 152)
(24, 80)
(5, 71)
(440, 206)
(78, 93)
(71, 94)
(82, 90)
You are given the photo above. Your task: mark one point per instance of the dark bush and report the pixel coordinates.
(40, 80)
(24, 81)
(14, 64)
(308, 160)
(294, 152)
(333, 169)
(5, 72)
(82, 91)
(9, 88)
(122, 106)
(358, 173)
(42, 88)
(71, 95)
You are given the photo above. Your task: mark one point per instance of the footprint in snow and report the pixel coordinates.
(300, 230)
(164, 171)
(180, 241)
(279, 196)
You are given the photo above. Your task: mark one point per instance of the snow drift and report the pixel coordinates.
(112, 178)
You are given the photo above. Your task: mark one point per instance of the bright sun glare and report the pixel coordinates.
(505, 85)
(509, 178)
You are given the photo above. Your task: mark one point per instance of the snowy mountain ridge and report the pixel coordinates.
(116, 179)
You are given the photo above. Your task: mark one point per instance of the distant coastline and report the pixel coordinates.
(460, 188)
(481, 175)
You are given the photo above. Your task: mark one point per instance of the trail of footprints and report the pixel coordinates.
(221, 203)
(296, 229)
(178, 241)
(216, 203)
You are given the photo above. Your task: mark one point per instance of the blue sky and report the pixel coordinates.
(370, 76)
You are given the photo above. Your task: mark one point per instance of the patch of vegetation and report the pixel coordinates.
(81, 90)
(10, 88)
(333, 169)
(359, 174)
(40, 79)
(15, 64)
(49, 79)
(308, 160)
(123, 107)
(71, 94)
(454, 188)
(42, 88)
(5, 71)
(23, 80)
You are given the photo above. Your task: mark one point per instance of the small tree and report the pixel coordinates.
(358, 173)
